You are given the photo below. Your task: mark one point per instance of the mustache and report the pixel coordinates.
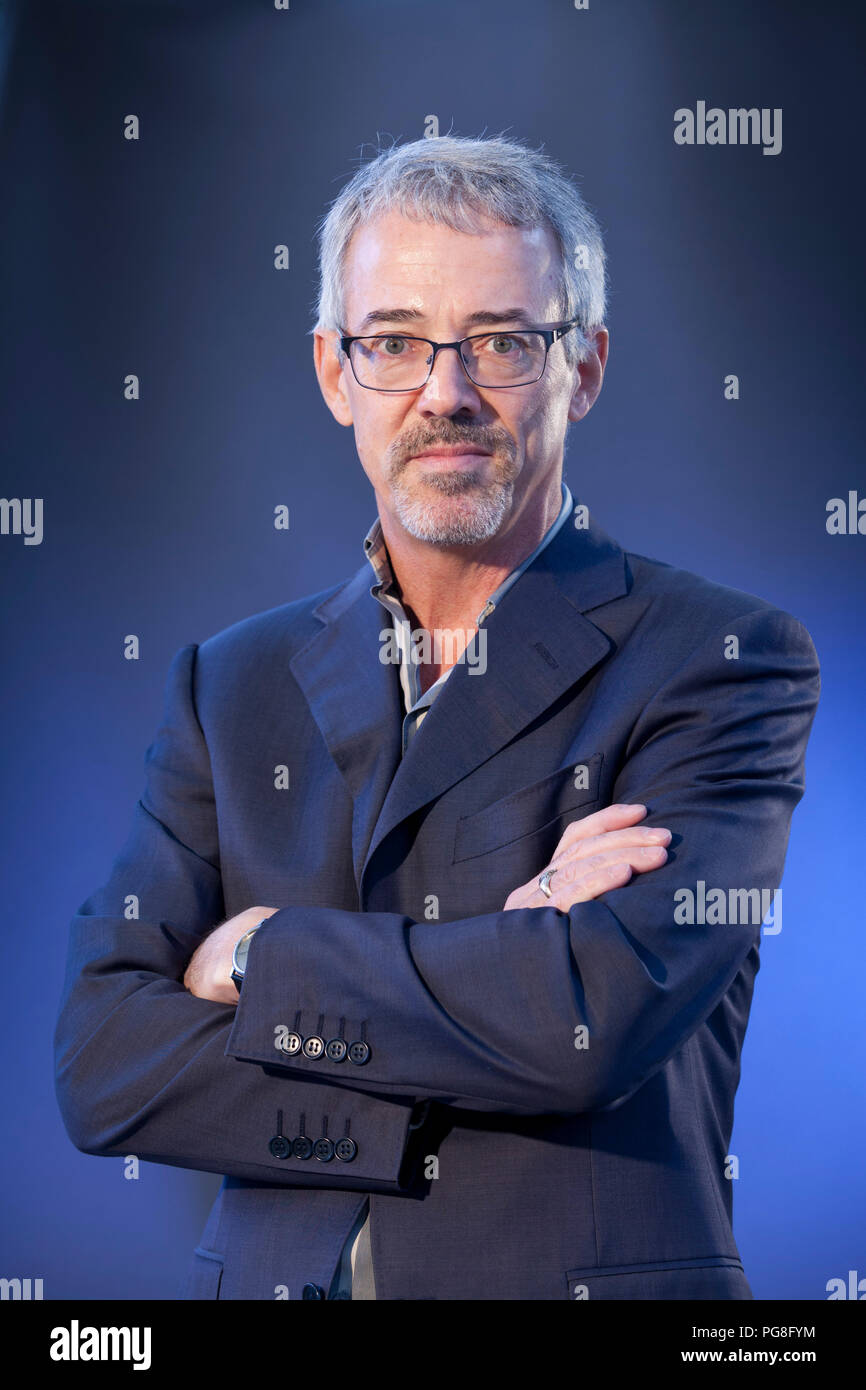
(494, 441)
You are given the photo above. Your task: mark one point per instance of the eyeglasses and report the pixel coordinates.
(393, 362)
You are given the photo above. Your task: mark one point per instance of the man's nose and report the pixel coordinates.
(449, 388)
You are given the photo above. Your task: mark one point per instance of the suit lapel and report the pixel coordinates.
(355, 699)
(539, 645)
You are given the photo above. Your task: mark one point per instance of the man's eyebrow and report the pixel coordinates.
(480, 317)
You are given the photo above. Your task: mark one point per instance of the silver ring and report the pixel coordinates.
(544, 882)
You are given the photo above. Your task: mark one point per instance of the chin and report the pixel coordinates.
(458, 520)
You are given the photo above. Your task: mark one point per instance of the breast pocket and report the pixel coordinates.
(528, 809)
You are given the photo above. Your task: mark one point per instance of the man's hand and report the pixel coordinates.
(595, 854)
(209, 973)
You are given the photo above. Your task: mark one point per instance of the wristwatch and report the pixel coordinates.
(239, 956)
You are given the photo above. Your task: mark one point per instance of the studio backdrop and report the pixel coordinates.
(169, 467)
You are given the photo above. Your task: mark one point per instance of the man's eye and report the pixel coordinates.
(503, 344)
(393, 347)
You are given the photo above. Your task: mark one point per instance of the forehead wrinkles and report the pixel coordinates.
(393, 260)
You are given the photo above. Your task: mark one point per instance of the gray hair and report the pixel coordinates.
(453, 180)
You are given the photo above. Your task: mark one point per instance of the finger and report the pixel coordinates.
(609, 818)
(569, 866)
(605, 824)
(578, 880)
(591, 885)
(634, 837)
(640, 857)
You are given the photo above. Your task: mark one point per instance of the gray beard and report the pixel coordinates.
(482, 513)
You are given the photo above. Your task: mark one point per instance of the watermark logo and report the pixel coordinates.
(704, 906)
(854, 1289)
(736, 126)
(22, 516)
(76, 1343)
(23, 1290)
(843, 519)
(443, 646)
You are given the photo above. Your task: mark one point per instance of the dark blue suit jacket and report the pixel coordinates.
(562, 1171)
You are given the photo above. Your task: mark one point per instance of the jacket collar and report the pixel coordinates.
(539, 644)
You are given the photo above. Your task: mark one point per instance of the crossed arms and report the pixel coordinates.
(478, 1013)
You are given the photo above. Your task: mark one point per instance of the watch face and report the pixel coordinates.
(241, 952)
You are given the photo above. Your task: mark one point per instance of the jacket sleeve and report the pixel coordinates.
(141, 1064)
(483, 1012)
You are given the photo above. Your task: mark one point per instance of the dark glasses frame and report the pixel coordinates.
(550, 336)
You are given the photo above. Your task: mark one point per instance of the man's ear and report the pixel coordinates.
(332, 378)
(590, 375)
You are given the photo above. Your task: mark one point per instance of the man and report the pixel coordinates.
(451, 879)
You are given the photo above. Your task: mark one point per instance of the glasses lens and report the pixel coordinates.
(391, 362)
(505, 359)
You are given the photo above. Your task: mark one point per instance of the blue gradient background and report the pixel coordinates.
(156, 257)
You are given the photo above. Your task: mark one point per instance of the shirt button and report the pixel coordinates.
(290, 1044)
(359, 1053)
(336, 1050)
(313, 1291)
(302, 1147)
(346, 1149)
(324, 1150)
(313, 1046)
(280, 1146)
